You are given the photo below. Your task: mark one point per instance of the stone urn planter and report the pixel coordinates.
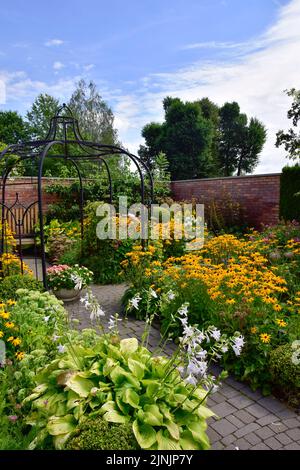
(67, 295)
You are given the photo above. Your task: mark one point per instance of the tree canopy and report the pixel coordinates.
(201, 140)
(291, 138)
(12, 127)
(239, 143)
(95, 117)
(185, 137)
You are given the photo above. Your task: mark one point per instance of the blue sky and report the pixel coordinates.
(138, 51)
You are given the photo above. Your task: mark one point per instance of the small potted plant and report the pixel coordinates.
(67, 281)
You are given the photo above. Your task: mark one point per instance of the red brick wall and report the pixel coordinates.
(258, 195)
(26, 187)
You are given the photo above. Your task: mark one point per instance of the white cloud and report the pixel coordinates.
(244, 47)
(54, 42)
(58, 65)
(256, 80)
(88, 67)
(20, 89)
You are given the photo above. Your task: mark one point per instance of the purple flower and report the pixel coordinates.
(13, 418)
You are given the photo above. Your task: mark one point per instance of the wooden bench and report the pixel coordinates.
(22, 222)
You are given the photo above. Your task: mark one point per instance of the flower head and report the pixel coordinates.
(20, 355)
(134, 302)
(265, 338)
(61, 348)
(281, 322)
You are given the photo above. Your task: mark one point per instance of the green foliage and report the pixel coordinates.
(103, 257)
(12, 435)
(10, 284)
(185, 137)
(124, 383)
(201, 140)
(59, 237)
(68, 277)
(239, 142)
(284, 367)
(39, 316)
(291, 139)
(290, 193)
(225, 215)
(95, 118)
(67, 207)
(94, 433)
(209, 280)
(39, 115)
(12, 127)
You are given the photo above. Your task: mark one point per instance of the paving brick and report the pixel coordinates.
(233, 383)
(242, 444)
(251, 394)
(260, 446)
(246, 429)
(294, 434)
(210, 402)
(257, 410)
(293, 446)
(283, 438)
(268, 419)
(285, 414)
(229, 440)
(271, 404)
(240, 401)
(228, 391)
(253, 438)
(264, 433)
(219, 398)
(273, 443)
(223, 409)
(291, 423)
(217, 446)
(213, 435)
(234, 420)
(244, 416)
(278, 427)
(223, 427)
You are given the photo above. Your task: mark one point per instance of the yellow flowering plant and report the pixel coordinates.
(233, 283)
(9, 332)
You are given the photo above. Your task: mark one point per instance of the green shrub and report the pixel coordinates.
(290, 193)
(97, 434)
(10, 285)
(103, 257)
(285, 372)
(39, 316)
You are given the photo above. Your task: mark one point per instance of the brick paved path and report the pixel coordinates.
(247, 420)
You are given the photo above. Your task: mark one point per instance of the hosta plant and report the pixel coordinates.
(123, 382)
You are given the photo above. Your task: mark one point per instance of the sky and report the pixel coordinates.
(139, 51)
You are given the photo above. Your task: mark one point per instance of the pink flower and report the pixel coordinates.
(57, 268)
(13, 418)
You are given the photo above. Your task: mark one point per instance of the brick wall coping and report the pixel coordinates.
(226, 178)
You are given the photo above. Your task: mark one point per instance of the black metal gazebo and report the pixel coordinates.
(63, 141)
